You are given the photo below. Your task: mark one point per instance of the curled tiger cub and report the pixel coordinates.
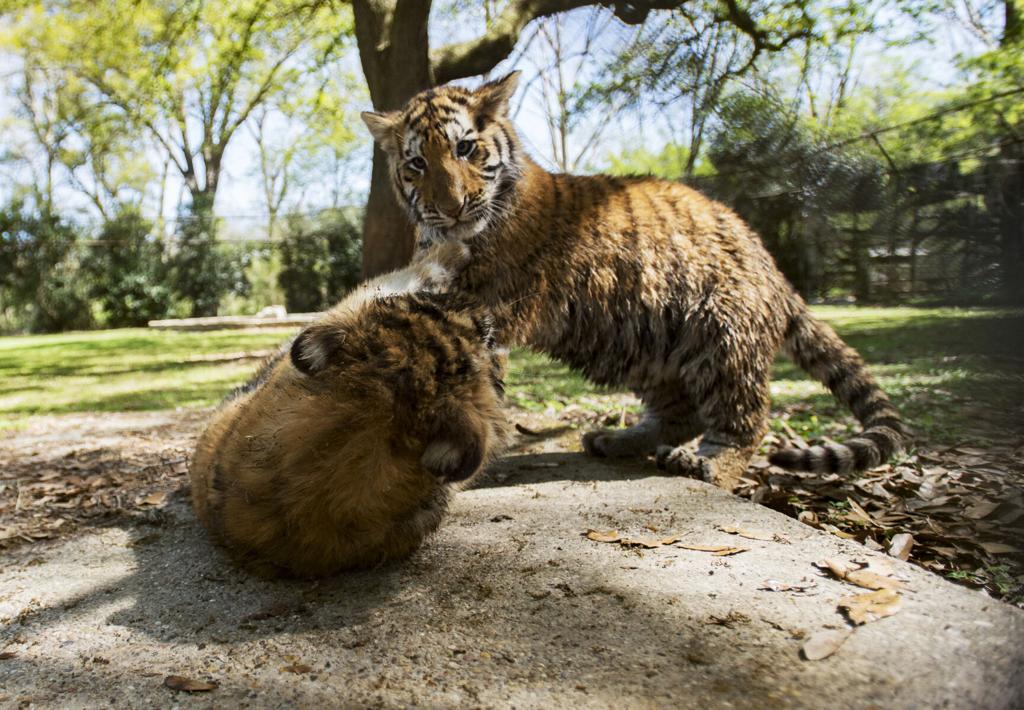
(633, 281)
(343, 451)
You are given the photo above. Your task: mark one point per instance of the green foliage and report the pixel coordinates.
(202, 270)
(320, 259)
(789, 185)
(669, 163)
(127, 271)
(39, 271)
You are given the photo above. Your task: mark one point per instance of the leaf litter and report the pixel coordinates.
(956, 510)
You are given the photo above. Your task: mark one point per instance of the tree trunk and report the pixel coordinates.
(393, 49)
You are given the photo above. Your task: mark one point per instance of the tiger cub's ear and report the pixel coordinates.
(456, 448)
(492, 98)
(315, 348)
(384, 128)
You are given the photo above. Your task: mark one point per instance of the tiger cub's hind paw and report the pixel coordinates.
(681, 461)
(615, 443)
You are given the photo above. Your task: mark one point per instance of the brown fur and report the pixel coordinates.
(344, 449)
(634, 281)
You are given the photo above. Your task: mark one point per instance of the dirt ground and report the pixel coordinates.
(510, 604)
(961, 505)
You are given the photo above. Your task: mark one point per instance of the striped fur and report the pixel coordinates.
(345, 448)
(633, 281)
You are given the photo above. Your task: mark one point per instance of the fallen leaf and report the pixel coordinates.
(155, 498)
(837, 532)
(645, 541)
(719, 550)
(774, 585)
(296, 668)
(982, 509)
(872, 545)
(749, 534)
(858, 513)
(849, 572)
(998, 548)
(824, 643)
(188, 685)
(900, 546)
(862, 608)
(7, 655)
(598, 536)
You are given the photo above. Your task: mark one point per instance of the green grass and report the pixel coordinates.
(121, 370)
(949, 370)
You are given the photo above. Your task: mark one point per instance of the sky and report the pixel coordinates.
(239, 201)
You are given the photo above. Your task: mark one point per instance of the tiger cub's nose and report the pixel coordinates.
(452, 209)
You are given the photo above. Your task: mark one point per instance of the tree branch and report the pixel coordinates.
(480, 55)
(742, 20)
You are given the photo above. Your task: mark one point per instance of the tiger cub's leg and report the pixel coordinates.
(669, 417)
(735, 410)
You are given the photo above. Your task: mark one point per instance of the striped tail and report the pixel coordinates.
(816, 349)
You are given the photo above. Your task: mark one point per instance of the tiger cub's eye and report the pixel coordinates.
(464, 148)
(418, 163)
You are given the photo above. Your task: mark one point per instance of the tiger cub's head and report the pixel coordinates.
(420, 370)
(454, 156)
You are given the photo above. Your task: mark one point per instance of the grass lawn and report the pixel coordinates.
(949, 371)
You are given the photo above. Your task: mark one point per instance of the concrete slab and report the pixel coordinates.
(509, 605)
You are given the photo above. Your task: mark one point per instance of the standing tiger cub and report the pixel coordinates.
(634, 281)
(344, 449)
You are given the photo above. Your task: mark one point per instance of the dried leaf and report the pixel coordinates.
(645, 541)
(862, 608)
(749, 534)
(998, 548)
(155, 498)
(852, 573)
(837, 532)
(598, 536)
(296, 668)
(859, 513)
(7, 655)
(982, 509)
(719, 550)
(824, 643)
(188, 685)
(900, 546)
(774, 585)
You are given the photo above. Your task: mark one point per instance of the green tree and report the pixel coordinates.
(39, 270)
(320, 259)
(398, 62)
(188, 74)
(127, 271)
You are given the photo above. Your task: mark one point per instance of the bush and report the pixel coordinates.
(127, 271)
(40, 279)
(202, 270)
(320, 259)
